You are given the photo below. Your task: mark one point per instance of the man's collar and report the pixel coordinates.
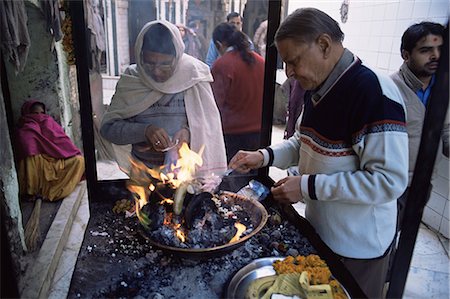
(410, 79)
(341, 67)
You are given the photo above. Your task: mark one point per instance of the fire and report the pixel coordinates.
(168, 219)
(182, 169)
(141, 200)
(178, 231)
(240, 229)
(186, 165)
(180, 235)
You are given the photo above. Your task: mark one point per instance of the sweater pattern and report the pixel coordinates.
(353, 149)
(350, 115)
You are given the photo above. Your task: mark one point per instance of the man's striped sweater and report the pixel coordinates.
(352, 152)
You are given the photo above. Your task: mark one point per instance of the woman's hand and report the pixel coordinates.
(181, 136)
(158, 138)
(244, 161)
(287, 190)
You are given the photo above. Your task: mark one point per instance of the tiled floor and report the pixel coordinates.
(428, 275)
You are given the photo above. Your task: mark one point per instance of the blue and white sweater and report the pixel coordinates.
(352, 153)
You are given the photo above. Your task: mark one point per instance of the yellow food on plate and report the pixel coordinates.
(321, 291)
(303, 276)
(259, 287)
(298, 264)
(286, 284)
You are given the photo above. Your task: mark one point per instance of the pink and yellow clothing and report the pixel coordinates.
(49, 164)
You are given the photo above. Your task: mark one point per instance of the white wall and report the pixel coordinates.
(123, 53)
(373, 32)
(374, 28)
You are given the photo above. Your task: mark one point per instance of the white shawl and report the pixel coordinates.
(136, 91)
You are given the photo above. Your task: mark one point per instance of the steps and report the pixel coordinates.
(59, 249)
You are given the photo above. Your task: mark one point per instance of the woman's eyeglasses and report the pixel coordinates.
(163, 66)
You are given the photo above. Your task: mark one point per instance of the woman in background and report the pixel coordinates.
(238, 89)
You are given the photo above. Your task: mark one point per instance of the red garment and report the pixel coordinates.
(41, 134)
(238, 90)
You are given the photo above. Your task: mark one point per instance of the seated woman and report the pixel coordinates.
(164, 100)
(49, 164)
(238, 89)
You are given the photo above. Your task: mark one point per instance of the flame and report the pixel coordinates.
(167, 219)
(240, 229)
(166, 200)
(186, 165)
(141, 200)
(182, 169)
(180, 235)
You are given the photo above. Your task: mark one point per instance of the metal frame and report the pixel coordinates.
(100, 190)
(270, 70)
(418, 195)
(76, 10)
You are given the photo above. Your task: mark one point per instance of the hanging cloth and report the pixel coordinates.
(14, 36)
(53, 18)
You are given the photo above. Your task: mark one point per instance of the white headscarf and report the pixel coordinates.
(136, 91)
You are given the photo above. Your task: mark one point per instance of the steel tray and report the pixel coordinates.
(256, 269)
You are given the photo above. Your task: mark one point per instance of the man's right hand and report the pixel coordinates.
(244, 161)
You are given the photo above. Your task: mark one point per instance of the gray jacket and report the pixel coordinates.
(408, 84)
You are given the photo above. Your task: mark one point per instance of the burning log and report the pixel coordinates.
(193, 208)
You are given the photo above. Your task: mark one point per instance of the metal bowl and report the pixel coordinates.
(258, 217)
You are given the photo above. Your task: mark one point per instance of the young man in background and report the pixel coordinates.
(420, 49)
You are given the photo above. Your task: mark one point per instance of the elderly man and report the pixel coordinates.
(351, 147)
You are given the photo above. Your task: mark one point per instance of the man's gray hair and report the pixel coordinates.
(307, 24)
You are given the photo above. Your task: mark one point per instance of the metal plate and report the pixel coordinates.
(256, 269)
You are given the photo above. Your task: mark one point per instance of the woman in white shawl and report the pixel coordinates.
(164, 100)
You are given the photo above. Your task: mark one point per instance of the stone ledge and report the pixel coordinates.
(66, 266)
(36, 282)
